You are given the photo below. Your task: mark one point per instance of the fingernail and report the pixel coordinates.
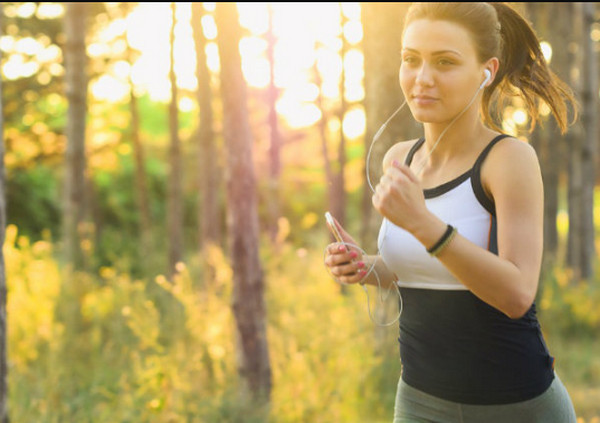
(353, 254)
(361, 265)
(342, 248)
(362, 272)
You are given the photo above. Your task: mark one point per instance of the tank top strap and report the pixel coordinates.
(413, 150)
(483, 198)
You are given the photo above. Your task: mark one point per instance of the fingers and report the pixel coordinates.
(398, 174)
(392, 180)
(397, 183)
(352, 279)
(348, 269)
(405, 170)
(391, 185)
(349, 272)
(336, 248)
(346, 266)
(339, 253)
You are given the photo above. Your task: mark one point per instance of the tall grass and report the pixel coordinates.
(107, 347)
(570, 316)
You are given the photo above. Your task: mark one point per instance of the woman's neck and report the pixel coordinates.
(461, 136)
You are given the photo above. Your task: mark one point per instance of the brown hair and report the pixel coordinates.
(499, 31)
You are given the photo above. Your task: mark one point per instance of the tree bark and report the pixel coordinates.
(141, 183)
(275, 147)
(581, 252)
(209, 216)
(558, 28)
(248, 302)
(322, 127)
(3, 317)
(589, 117)
(338, 206)
(76, 92)
(175, 208)
(553, 23)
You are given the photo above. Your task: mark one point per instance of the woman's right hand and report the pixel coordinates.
(345, 260)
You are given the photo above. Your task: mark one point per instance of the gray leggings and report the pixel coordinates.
(553, 406)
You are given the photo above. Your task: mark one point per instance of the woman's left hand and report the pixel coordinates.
(399, 197)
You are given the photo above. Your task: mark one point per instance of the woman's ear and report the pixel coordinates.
(490, 68)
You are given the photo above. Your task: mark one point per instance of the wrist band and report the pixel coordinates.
(437, 248)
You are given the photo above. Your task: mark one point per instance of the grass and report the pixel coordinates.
(108, 347)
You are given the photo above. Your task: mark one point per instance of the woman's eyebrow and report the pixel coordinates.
(435, 53)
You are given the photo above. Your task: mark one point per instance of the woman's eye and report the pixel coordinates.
(445, 62)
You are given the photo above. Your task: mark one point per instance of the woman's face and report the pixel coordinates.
(440, 72)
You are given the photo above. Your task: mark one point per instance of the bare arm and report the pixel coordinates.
(381, 275)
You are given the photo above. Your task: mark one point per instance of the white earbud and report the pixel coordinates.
(488, 75)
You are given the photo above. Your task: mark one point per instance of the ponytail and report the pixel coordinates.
(523, 71)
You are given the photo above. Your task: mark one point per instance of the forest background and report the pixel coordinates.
(165, 170)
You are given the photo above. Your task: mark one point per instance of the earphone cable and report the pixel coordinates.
(380, 289)
(385, 221)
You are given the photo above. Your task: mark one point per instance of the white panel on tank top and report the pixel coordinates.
(408, 258)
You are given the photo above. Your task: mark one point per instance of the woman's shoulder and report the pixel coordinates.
(398, 152)
(510, 151)
(509, 161)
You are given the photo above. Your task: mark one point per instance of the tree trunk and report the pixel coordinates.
(553, 23)
(580, 252)
(559, 29)
(175, 209)
(338, 207)
(382, 23)
(209, 216)
(3, 317)
(574, 154)
(331, 179)
(248, 301)
(589, 116)
(140, 173)
(274, 150)
(76, 92)
(574, 197)
(322, 126)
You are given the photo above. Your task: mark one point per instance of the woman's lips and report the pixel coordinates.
(423, 100)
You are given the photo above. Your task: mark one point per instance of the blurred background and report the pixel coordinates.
(166, 171)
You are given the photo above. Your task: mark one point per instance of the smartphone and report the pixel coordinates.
(333, 228)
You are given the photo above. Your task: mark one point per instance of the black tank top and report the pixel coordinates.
(457, 347)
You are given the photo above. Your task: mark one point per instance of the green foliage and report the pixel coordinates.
(31, 201)
(117, 215)
(128, 350)
(570, 317)
(108, 347)
(154, 121)
(34, 157)
(119, 349)
(571, 306)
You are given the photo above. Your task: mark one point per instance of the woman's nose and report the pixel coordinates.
(424, 76)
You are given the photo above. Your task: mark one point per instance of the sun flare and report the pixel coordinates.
(296, 58)
(307, 54)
